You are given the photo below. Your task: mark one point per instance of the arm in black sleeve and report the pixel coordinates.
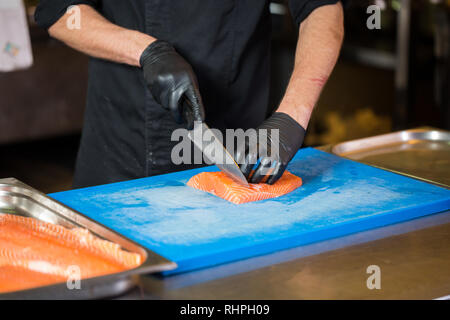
(49, 11)
(301, 9)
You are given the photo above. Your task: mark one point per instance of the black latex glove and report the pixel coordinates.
(172, 82)
(256, 161)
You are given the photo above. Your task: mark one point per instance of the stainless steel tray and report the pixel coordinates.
(20, 199)
(422, 153)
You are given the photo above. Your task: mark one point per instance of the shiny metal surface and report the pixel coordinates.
(423, 153)
(213, 149)
(19, 199)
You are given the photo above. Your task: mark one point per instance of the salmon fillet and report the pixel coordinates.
(18, 278)
(219, 184)
(33, 253)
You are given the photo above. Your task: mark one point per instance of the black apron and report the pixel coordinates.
(126, 134)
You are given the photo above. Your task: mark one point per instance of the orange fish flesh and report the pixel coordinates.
(35, 253)
(219, 184)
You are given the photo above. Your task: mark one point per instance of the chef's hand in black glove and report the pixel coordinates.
(257, 162)
(172, 82)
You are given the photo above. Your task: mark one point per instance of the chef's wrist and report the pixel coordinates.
(291, 133)
(300, 113)
(143, 42)
(154, 50)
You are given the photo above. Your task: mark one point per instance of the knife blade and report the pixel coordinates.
(216, 153)
(213, 150)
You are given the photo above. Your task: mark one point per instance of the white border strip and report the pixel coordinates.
(443, 298)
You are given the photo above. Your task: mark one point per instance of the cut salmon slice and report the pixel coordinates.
(33, 253)
(219, 184)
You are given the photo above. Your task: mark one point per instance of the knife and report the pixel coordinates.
(213, 150)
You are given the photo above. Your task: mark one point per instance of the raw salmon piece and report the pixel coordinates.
(219, 184)
(29, 246)
(18, 278)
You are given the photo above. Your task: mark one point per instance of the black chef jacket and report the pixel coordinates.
(126, 133)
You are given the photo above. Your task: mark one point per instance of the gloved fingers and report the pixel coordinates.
(195, 99)
(176, 102)
(246, 169)
(277, 173)
(250, 160)
(188, 115)
(264, 170)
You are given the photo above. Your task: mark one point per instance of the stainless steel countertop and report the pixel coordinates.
(413, 257)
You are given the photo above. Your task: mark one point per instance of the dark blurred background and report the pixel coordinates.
(389, 79)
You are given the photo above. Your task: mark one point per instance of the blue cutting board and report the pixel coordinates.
(196, 229)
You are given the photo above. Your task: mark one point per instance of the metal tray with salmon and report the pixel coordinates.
(50, 251)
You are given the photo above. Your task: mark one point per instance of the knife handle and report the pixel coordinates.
(188, 114)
